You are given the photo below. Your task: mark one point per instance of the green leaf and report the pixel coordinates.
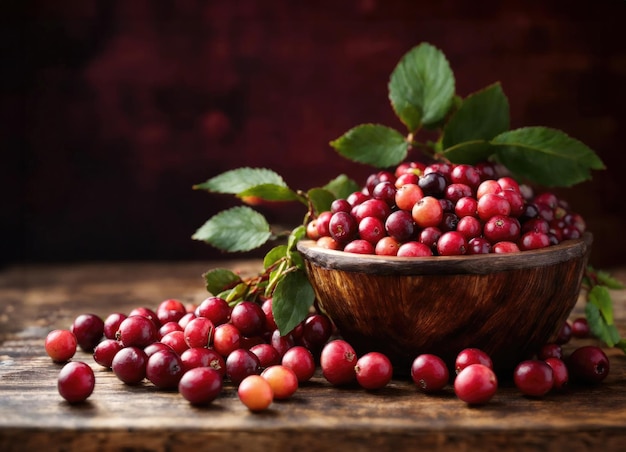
(421, 87)
(274, 255)
(609, 281)
(292, 299)
(481, 116)
(270, 192)
(342, 186)
(372, 144)
(470, 152)
(321, 199)
(600, 297)
(598, 326)
(546, 156)
(240, 179)
(296, 235)
(236, 229)
(220, 279)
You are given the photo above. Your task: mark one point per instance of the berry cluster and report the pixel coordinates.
(444, 209)
(195, 349)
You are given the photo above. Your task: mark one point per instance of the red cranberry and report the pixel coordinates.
(226, 339)
(588, 364)
(170, 311)
(476, 384)
(471, 356)
(199, 332)
(559, 372)
(60, 345)
(337, 361)
(430, 373)
(214, 308)
(105, 351)
(551, 350)
(200, 385)
(373, 370)
(241, 363)
(164, 369)
(301, 361)
(268, 355)
(533, 377)
(88, 329)
(129, 365)
(147, 313)
(203, 357)
(137, 331)
(565, 334)
(112, 324)
(249, 318)
(317, 330)
(76, 382)
(176, 340)
(580, 328)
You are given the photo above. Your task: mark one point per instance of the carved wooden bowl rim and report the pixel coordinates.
(438, 265)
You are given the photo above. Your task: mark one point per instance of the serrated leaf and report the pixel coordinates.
(274, 255)
(546, 156)
(600, 297)
(236, 229)
(421, 87)
(469, 152)
(292, 299)
(321, 199)
(480, 117)
(372, 144)
(342, 186)
(597, 324)
(238, 180)
(220, 279)
(270, 192)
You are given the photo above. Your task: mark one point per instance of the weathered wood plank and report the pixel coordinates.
(319, 417)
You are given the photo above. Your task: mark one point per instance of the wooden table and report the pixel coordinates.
(37, 298)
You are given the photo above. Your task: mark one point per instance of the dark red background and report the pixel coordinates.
(111, 110)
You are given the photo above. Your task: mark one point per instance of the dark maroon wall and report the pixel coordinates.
(113, 109)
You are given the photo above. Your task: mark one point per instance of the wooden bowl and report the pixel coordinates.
(508, 305)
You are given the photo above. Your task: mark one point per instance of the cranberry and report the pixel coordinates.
(129, 365)
(226, 339)
(270, 323)
(200, 385)
(400, 225)
(105, 351)
(301, 361)
(323, 223)
(454, 192)
(387, 246)
(476, 384)
(427, 212)
(559, 372)
(176, 340)
(281, 343)
(156, 347)
(504, 247)
(282, 379)
(168, 328)
(470, 356)
(255, 392)
(550, 350)
(478, 245)
(203, 357)
(534, 240)
(170, 311)
(501, 228)
(188, 317)
(433, 184)
(268, 355)
(360, 246)
(112, 324)
(340, 205)
(465, 174)
(588, 364)
(337, 361)
(137, 331)
(215, 309)
(317, 330)
(241, 363)
(88, 329)
(164, 369)
(60, 345)
(469, 227)
(343, 227)
(147, 313)
(414, 249)
(385, 191)
(199, 332)
(466, 207)
(580, 328)
(249, 318)
(371, 208)
(76, 382)
(451, 243)
(407, 195)
(533, 377)
(488, 186)
(430, 373)
(373, 370)
(565, 334)
(429, 237)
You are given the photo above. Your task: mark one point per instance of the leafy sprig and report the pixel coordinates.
(422, 95)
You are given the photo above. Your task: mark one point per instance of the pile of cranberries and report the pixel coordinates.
(196, 349)
(446, 210)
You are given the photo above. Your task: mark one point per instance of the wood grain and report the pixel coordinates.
(36, 299)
